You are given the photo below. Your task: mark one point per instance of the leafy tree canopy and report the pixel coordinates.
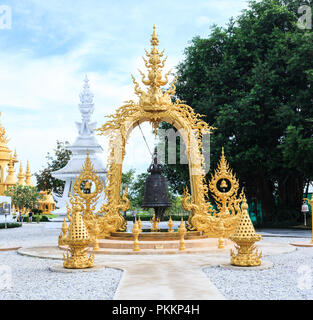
(55, 162)
(253, 81)
(23, 196)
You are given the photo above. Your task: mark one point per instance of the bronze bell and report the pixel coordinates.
(156, 189)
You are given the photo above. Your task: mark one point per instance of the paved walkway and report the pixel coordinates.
(163, 277)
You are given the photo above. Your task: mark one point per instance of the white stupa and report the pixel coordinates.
(85, 141)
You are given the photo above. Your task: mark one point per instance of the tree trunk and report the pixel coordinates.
(266, 195)
(290, 198)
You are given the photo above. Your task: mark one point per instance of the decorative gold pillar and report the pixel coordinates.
(136, 232)
(182, 231)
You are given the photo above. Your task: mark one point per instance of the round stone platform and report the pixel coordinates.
(150, 246)
(302, 244)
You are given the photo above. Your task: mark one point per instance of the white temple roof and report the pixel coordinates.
(74, 166)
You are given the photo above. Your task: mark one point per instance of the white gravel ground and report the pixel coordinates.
(289, 279)
(30, 278)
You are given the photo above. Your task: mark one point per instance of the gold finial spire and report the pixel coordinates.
(10, 179)
(154, 99)
(154, 38)
(21, 176)
(28, 175)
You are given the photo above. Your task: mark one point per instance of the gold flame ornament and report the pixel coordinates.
(170, 225)
(223, 178)
(136, 232)
(182, 231)
(245, 237)
(78, 240)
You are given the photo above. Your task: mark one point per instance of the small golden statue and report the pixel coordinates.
(245, 237)
(155, 224)
(182, 231)
(78, 240)
(136, 232)
(63, 233)
(170, 225)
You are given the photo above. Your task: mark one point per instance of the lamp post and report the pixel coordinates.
(311, 204)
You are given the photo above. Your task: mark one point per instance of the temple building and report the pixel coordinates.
(84, 141)
(7, 163)
(47, 204)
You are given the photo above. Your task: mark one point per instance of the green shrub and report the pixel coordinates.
(42, 218)
(10, 225)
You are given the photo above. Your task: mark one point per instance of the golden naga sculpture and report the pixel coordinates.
(245, 237)
(78, 240)
(155, 104)
(62, 235)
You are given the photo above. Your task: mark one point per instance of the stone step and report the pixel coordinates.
(124, 244)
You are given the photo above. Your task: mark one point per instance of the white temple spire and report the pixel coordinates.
(86, 108)
(85, 140)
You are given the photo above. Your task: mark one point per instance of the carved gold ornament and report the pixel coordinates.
(78, 240)
(155, 104)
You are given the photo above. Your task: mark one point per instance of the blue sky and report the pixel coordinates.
(52, 44)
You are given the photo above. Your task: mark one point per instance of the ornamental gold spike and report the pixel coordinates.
(21, 176)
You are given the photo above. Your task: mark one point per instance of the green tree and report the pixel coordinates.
(253, 81)
(55, 162)
(128, 179)
(138, 190)
(23, 196)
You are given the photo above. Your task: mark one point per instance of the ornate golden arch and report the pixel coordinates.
(155, 105)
